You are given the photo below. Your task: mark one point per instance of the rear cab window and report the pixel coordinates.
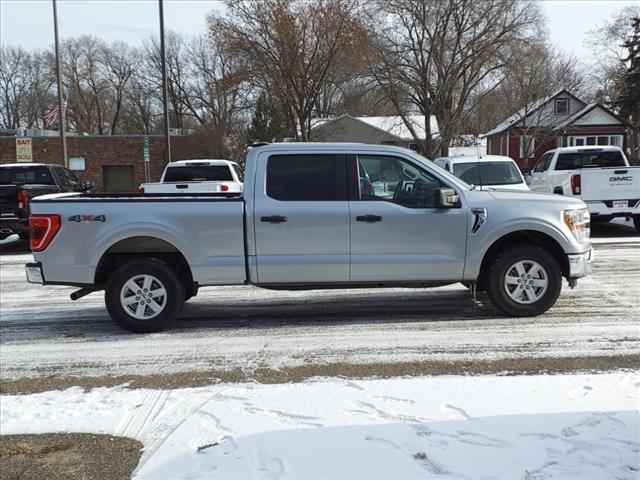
(26, 176)
(306, 178)
(198, 173)
(591, 159)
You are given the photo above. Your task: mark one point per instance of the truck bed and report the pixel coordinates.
(207, 229)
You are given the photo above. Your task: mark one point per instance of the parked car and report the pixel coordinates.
(485, 171)
(21, 182)
(600, 176)
(198, 176)
(302, 222)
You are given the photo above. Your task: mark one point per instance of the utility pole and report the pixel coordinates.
(163, 68)
(61, 107)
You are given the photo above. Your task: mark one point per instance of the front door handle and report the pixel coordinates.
(369, 218)
(273, 219)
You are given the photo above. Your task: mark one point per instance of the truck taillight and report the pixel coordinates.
(576, 184)
(23, 200)
(43, 228)
(224, 188)
(141, 189)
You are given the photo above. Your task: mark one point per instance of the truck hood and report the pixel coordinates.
(533, 197)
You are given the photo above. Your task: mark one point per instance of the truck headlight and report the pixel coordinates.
(579, 223)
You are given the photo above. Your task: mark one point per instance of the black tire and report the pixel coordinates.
(636, 222)
(171, 304)
(497, 275)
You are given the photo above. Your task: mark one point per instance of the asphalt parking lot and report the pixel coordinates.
(245, 333)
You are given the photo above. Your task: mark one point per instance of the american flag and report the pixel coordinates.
(51, 116)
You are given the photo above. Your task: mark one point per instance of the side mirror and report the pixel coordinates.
(447, 198)
(527, 178)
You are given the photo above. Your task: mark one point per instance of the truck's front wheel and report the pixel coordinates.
(524, 281)
(636, 222)
(144, 296)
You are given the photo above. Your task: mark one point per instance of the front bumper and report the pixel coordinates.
(580, 264)
(34, 273)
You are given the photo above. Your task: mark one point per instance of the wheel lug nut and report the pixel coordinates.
(137, 298)
(145, 289)
(149, 301)
(139, 292)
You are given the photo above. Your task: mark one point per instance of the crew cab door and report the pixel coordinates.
(397, 233)
(301, 219)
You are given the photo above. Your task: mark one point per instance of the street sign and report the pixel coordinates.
(145, 149)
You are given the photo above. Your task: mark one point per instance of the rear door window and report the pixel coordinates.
(239, 172)
(543, 163)
(26, 176)
(577, 160)
(67, 178)
(305, 178)
(199, 173)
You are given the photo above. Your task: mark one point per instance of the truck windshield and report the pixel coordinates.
(203, 173)
(572, 161)
(26, 176)
(488, 173)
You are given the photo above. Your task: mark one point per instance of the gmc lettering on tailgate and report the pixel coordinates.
(625, 179)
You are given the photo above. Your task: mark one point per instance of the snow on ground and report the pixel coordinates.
(43, 333)
(451, 427)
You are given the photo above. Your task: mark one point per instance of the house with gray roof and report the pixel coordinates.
(558, 120)
(388, 130)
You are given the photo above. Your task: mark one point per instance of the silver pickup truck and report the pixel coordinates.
(312, 216)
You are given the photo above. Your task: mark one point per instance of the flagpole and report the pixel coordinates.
(163, 68)
(61, 113)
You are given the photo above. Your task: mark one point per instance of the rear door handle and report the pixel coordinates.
(369, 218)
(273, 219)
(182, 186)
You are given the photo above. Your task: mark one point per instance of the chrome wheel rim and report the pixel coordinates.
(526, 282)
(143, 297)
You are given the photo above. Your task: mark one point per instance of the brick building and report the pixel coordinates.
(114, 163)
(559, 120)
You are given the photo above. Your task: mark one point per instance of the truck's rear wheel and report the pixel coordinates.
(636, 222)
(524, 281)
(144, 296)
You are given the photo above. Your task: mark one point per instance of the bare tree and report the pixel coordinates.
(291, 49)
(438, 57)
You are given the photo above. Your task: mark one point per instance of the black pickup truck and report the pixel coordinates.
(20, 182)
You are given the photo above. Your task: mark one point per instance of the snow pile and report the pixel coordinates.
(527, 427)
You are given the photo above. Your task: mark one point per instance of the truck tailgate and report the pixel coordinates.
(620, 184)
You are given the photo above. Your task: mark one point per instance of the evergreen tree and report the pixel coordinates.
(266, 125)
(628, 99)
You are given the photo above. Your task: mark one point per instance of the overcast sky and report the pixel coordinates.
(29, 23)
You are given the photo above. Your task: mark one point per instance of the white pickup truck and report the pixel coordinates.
(198, 176)
(600, 176)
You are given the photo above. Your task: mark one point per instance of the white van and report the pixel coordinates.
(487, 171)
